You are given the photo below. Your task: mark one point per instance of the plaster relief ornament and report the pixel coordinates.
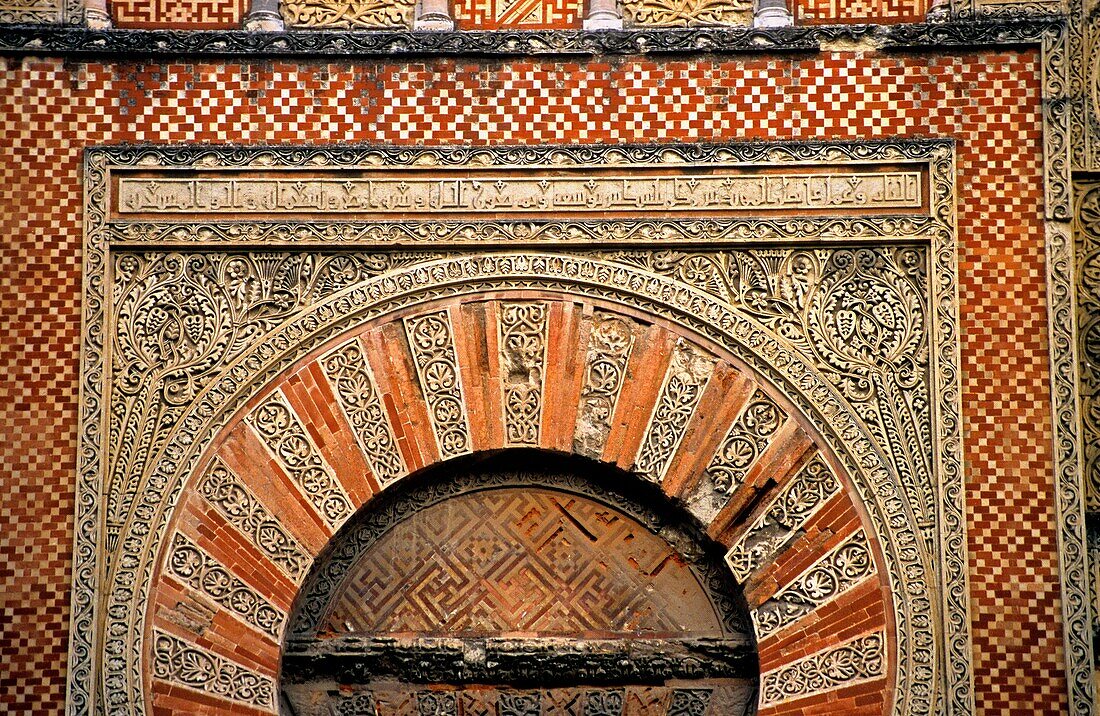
(686, 13)
(348, 14)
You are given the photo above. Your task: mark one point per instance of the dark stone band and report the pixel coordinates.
(545, 662)
(79, 42)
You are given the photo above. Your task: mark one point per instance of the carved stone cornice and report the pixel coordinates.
(46, 40)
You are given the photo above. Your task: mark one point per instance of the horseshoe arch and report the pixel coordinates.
(561, 354)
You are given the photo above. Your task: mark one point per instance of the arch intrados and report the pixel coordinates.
(732, 653)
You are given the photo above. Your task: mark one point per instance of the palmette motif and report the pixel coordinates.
(179, 662)
(431, 340)
(346, 368)
(859, 660)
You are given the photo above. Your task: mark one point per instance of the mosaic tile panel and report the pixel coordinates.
(989, 101)
(846, 11)
(190, 14)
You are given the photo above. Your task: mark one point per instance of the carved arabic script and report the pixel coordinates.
(534, 193)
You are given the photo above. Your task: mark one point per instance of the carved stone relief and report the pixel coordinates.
(522, 343)
(609, 347)
(198, 570)
(348, 14)
(191, 335)
(799, 500)
(178, 317)
(747, 438)
(684, 383)
(289, 443)
(232, 500)
(666, 13)
(843, 568)
(858, 660)
(46, 12)
(346, 368)
(184, 664)
(432, 344)
(1088, 333)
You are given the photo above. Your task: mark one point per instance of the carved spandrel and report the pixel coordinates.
(862, 316)
(180, 318)
(540, 192)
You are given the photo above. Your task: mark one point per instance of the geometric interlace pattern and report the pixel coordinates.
(521, 561)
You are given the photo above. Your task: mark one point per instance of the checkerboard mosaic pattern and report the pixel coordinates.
(50, 110)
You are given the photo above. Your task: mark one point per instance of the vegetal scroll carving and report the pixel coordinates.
(686, 13)
(349, 14)
(523, 329)
(684, 381)
(432, 342)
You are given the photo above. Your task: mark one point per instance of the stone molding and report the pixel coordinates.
(47, 40)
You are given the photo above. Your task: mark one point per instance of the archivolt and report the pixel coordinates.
(705, 338)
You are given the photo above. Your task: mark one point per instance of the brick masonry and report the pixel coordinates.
(989, 102)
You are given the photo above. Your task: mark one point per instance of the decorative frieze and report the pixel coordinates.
(683, 385)
(840, 570)
(522, 342)
(349, 14)
(198, 570)
(666, 13)
(283, 434)
(609, 347)
(431, 340)
(349, 373)
(490, 194)
(33, 11)
(236, 503)
(747, 437)
(798, 500)
(184, 664)
(861, 659)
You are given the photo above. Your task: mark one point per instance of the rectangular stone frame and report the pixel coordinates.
(933, 226)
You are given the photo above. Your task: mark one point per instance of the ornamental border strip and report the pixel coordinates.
(996, 31)
(954, 675)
